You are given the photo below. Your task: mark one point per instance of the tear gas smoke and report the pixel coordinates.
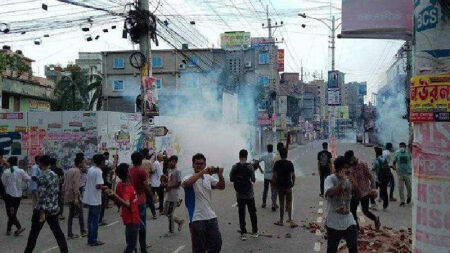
(202, 118)
(391, 125)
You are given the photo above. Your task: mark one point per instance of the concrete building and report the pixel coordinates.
(90, 62)
(356, 93)
(21, 91)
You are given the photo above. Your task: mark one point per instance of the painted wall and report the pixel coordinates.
(63, 134)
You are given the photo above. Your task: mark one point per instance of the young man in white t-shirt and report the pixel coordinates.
(203, 223)
(387, 154)
(93, 198)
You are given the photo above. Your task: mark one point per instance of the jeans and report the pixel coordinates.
(205, 236)
(93, 220)
(151, 204)
(354, 202)
(384, 194)
(285, 196)
(404, 180)
(36, 226)
(325, 173)
(142, 229)
(12, 206)
(392, 186)
(131, 236)
(169, 208)
(250, 204)
(350, 235)
(73, 209)
(273, 191)
(160, 192)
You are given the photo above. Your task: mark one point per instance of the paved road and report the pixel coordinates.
(306, 209)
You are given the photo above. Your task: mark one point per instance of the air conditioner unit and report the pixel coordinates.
(248, 64)
(182, 66)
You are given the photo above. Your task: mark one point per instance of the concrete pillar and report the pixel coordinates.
(431, 145)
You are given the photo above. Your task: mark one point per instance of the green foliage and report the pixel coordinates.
(72, 92)
(14, 62)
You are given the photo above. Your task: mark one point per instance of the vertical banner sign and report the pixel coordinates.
(431, 147)
(431, 187)
(280, 60)
(430, 98)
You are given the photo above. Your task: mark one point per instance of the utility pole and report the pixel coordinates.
(333, 41)
(269, 23)
(145, 49)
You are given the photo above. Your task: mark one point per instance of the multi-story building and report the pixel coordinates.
(19, 89)
(90, 62)
(355, 100)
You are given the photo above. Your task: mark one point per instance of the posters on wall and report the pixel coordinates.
(430, 98)
(334, 96)
(63, 134)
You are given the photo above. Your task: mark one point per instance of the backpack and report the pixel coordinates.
(242, 178)
(384, 173)
(323, 159)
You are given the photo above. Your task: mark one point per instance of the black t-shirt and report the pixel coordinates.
(324, 158)
(283, 168)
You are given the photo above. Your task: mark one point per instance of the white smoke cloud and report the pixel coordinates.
(198, 126)
(391, 125)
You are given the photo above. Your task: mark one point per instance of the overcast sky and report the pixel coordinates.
(361, 60)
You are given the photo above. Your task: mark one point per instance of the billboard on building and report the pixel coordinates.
(362, 89)
(263, 119)
(334, 96)
(258, 42)
(235, 40)
(381, 19)
(280, 60)
(430, 98)
(342, 112)
(335, 79)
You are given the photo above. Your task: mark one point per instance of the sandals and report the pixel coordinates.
(279, 223)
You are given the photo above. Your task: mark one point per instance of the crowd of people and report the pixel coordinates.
(352, 182)
(94, 183)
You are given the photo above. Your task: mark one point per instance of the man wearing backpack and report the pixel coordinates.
(243, 177)
(383, 173)
(324, 165)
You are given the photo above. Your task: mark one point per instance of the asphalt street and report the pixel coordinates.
(308, 207)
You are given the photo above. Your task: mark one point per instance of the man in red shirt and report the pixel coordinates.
(139, 180)
(126, 197)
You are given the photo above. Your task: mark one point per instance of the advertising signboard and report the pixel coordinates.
(342, 112)
(235, 40)
(257, 42)
(263, 119)
(381, 19)
(334, 96)
(280, 60)
(430, 98)
(335, 79)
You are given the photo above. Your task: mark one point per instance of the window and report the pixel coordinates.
(158, 83)
(157, 62)
(118, 85)
(119, 63)
(193, 61)
(263, 58)
(263, 80)
(5, 101)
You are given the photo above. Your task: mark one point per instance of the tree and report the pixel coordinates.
(71, 92)
(95, 89)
